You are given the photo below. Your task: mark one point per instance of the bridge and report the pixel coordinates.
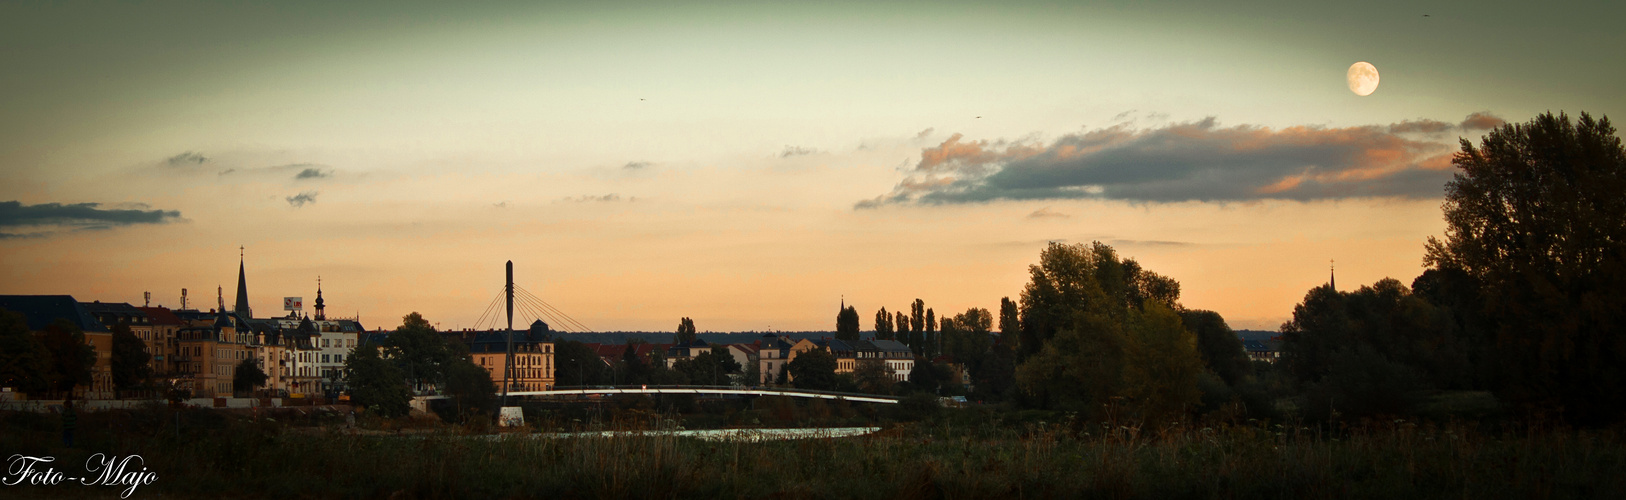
(714, 390)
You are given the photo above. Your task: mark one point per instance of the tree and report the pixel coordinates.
(873, 376)
(883, 325)
(847, 324)
(917, 325)
(130, 359)
(1220, 347)
(25, 364)
(1384, 318)
(685, 331)
(471, 388)
(904, 334)
(924, 377)
(1010, 322)
(419, 350)
(247, 376)
(711, 367)
(375, 383)
(575, 364)
(813, 369)
(1161, 363)
(932, 346)
(71, 357)
(1534, 216)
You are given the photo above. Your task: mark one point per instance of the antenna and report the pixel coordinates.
(183, 298)
(146, 300)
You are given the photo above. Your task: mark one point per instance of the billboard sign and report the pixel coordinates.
(293, 303)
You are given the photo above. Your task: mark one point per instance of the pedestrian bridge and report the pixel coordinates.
(706, 390)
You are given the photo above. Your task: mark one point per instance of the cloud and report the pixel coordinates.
(924, 133)
(636, 165)
(796, 151)
(303, 198)
(1482, 121)
(187, 159)
(1150, 243)
(313, 173)
(1192, 161)
(1046, 213)
(75, 216)
(612, 197)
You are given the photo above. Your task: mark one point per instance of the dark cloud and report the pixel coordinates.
(1193, 161)
(796, 151)
(636, 165)
(1482, 121)
(1046, 213)
(75, 216)
(313, 173)
(187, 159)
(303, 198)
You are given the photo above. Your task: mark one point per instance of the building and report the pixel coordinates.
(165, 343)
(533, 356)
(41, 311)
(898, 358)
(1269, 351)
(772, 357)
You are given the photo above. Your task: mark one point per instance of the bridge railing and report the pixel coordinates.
(706, 388)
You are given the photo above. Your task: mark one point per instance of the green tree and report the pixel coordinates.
(419, 350)
(1385, 318)
(685, 331)
(71, 357)
(1161, 363)
(25, 363)
(130, 359)
(248, 376)
(1534, 216)
(847, 324)
(1221, 348)
(471, 388)
(883, 325)
(375, 383)
(917, 327)
(925, 377)
(813, 369)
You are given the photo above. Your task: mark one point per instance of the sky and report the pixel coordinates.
(750, 165)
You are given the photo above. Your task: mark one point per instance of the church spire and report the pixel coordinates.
(242, 308)
(320, 314)
(1332, 276)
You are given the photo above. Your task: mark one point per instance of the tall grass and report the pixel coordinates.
(966, 457)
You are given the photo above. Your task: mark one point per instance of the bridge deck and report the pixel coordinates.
(714, 390)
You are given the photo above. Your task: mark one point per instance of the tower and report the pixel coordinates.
(320, 314)
(242, 289)
(1332, 276)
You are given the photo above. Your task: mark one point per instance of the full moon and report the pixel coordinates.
(1363, 78)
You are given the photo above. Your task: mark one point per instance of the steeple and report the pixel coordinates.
(320, 315)
(1332, 276)
(242, 288)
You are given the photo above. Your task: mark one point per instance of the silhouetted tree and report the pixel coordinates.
(1221, 348)
(419, 350)
(471, 388)
(813, 369)
(685, 331)
(1534, 216)
(130, 367)
(904, 334)
(1010, 322)
(575, 364)
(248, 376)
(873, 376)
(25, 363)
(71, 357)
(1161, 362)
(924, 377)
(847, 324)
(375, 383)
(711, 367)
(932, 347)
(883, 325)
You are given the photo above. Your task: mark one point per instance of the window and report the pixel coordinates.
(324, 342)
(325, 359)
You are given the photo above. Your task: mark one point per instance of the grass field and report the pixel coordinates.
(957, 454)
